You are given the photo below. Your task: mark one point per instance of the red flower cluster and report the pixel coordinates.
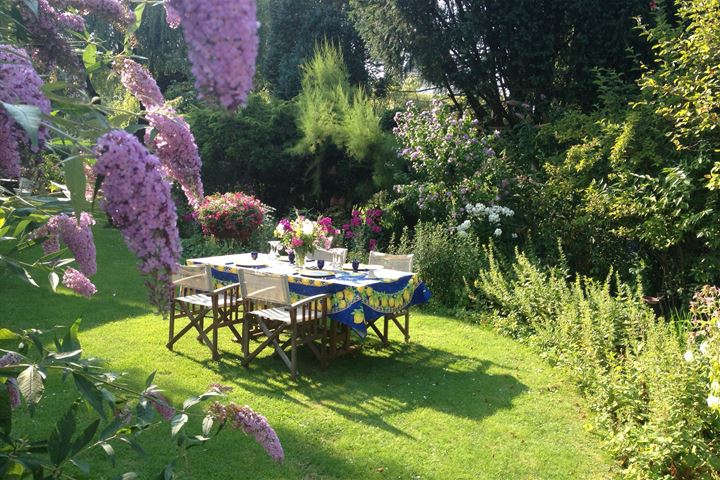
(231, 215)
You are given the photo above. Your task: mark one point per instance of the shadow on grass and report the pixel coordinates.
(377, 384)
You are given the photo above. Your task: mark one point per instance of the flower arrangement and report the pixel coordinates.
(302, 235)
(363, 228)
(231, 215)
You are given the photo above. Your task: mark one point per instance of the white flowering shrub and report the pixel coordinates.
(487, 219)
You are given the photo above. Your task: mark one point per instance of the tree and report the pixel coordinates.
(290, 32)
(500, 55)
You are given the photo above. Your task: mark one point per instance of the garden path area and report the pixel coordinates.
(458, 402)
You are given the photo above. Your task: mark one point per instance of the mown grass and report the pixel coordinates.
(458, 402)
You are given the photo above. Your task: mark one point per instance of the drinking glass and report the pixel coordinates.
(254, 255)
(274, 245)
(355, 265)
(291, 257)
(320, 264)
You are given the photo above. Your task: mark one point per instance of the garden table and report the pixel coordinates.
(355, 299)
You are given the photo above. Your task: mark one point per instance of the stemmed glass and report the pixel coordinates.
(274, 244)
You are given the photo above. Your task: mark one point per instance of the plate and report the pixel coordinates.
(251, 264)
(316, 273)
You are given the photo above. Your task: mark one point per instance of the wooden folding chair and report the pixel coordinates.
(401, 263)
(267, 304)
(195, 299)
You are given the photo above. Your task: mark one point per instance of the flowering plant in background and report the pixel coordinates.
(230, 215)
(705, 309)
(486, 219)
(363, 229)
(102, 412)
(303, 235)
(452, 161)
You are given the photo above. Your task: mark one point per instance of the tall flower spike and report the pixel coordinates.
(222, 40)
(112, 11)
(252, 423)
(19, 84)
(138, 80)
(78, 283)
(139, 202)
(74, 233)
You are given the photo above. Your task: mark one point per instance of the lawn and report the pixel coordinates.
(459, 401)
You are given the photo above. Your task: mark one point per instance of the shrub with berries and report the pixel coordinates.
(231, 215)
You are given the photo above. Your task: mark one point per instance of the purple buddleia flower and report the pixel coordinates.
(112, 11)
(13, 392)
(138, 80)
(222, 41)
(51, 45)
(172, 141)
(19, 84)
(175, 146)
(78, 283)
(161, 405)
(76, 234)
(138, 200)
(10, 359)
(172, 17)
(252, 423)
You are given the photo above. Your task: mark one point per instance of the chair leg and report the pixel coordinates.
(215, 352)
(407, 326)
(245, 337)
(171, 331)
(293, 351)
(386, 322)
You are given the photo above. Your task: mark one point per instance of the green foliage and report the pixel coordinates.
(525, 50)
(118, 414)
(445, 260)
(341, 136)
(649, 401)
(290, 31)
(248, 150)
(682, 83)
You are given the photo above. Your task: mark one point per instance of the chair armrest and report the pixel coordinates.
(180, 280)
(307, 300)
(225, 288)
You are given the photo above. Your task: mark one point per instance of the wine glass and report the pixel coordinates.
(291, 257)
(274, 245)
(320, 263)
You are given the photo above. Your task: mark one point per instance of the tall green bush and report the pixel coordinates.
(649, 400)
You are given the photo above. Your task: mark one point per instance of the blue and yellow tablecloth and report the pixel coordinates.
(354, 298)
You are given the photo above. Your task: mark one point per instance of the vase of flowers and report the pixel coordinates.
(302, 235)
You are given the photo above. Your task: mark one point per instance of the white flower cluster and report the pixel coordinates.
(493, 213)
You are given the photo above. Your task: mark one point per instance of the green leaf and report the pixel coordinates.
(150, 378)
(111, 428)
(31, 385)
(135, 445)
(207, 424)
(127, 476)
(21, 273)
(5, 410)
(90, 393)
(168, 472)
(29, 117)
(32, 5)
(71, 341)
(75, 181)
(109, 451)
(6, 334)
(89, 55)
(54, 279)
(85, 438)
(177, 423)
(59, 442)
(83, 466)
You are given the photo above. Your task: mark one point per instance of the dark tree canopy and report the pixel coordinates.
(290, 31)
(491, 51)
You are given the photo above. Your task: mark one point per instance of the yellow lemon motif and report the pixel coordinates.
(358, 316)
(342, 304)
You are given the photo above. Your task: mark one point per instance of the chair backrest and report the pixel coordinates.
(328, 255)
(195, 277)
(264, 287)
(402, 263)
